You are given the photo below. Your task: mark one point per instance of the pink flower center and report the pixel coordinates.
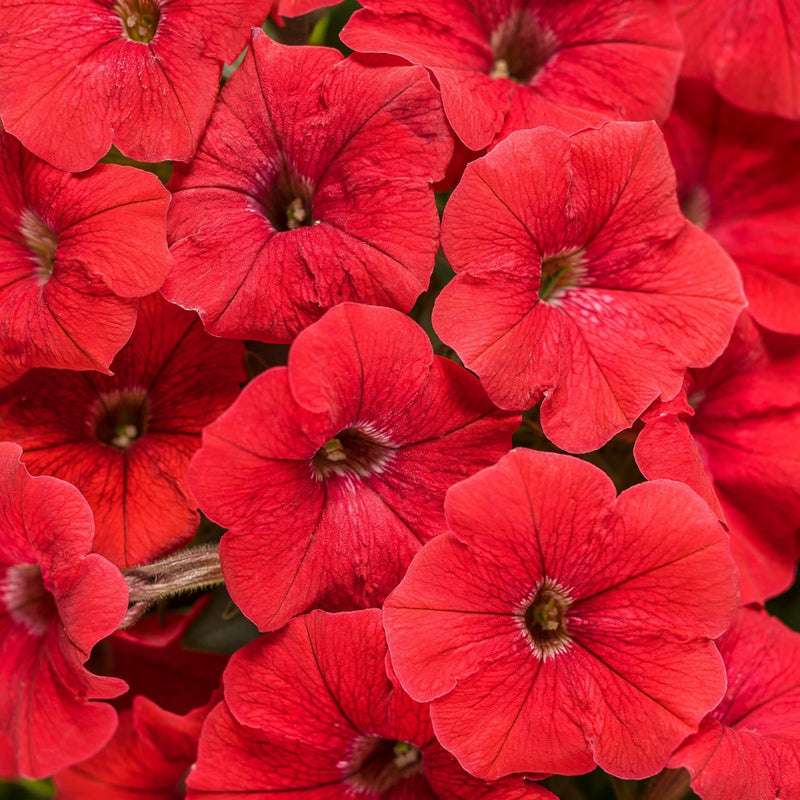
(377, 764)
(521, 47)
(25, 598)
(120, 417)
(357, 452)
(560, 272)
(139, 18)
(696, 206)
(544, 619)
(42, 242)
(287, 203)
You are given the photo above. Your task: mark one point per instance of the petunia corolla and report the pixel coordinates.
(332, 471)
(578, 279)
(504, 65)
(57, 600)
(556, 627)
(311, 187)
(739, 179)
(731, 434)
(76, 253)
(314, 712)
(148, 756)
(749, 52)
(749, 746)
(125, 440)
(81, 75)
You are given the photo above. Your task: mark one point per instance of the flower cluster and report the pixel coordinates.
(416, 423)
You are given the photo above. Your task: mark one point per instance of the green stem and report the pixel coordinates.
(320, 30)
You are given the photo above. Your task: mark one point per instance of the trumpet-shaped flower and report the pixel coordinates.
(79, 75)
(578, 281)
(125, 440)
(57, 600)
(557, 627)
(311, 187)
(332, 471)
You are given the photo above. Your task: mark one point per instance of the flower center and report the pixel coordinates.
(286, 203)
(376, 764)
(42, 242)
(358, 451)
(560, 272)
(120, 417)
(544, 619)
(696, 206)
(23, 595)
(695, 399)
(139, 18)
(521, 47)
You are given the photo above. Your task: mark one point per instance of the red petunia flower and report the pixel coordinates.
(311, 713)
(739, 179)
(311, 187)
(75, 250)
(749, 746)
(296, 8)
(508, 65)
(331, 472)
(569, 629)
(731, 434)
(151, 659)
(81, 75)
(125, 440)
(149, 756)
(748, 51)
(56, 602)
(577, 279)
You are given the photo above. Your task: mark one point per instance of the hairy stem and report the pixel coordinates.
(190, 570)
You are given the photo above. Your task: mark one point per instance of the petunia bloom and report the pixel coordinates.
(125, 439)
(149, 756)
(80, 75)
(296, 8)
(556, 627)
(731, 434)
(75, 254)
(749, 52)
(151, 659)
(505, 65)
(311, 713)
(312, 186)
(577, 279)
(56, 602)
(739, 179)
(749, 746)
(332, 471)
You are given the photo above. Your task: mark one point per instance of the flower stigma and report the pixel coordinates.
(696, 206)
(139, 19)
(560, 272)
(41, 241)
(297, 214)
(543, 618)
(358, 451)
(120, 417)
(284, 198)
(375, 764)
(520, 47)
